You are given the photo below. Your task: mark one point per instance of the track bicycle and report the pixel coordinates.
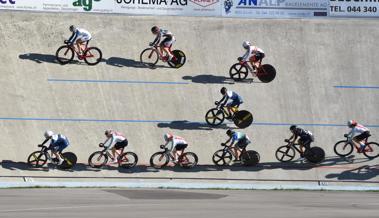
(224, 156)
(124, 159)
(150, 56)
(40, 158)
(162, 158)
(287, 152)
(65, 54)
(346, 147)
(216, 116)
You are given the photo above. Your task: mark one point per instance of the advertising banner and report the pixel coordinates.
(354, 8)
(170, 7)
(275, 8)
(98, 6)
(34, 5)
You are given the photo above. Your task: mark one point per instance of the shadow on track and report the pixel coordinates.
(365, 172)
(123, 62)
(212, 79)
(187, 125)
(39, 58)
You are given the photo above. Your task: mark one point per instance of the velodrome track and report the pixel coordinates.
(313, 58)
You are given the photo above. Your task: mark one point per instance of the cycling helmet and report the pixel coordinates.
(223, 90)
(154, 29)
(108, 132)
(293, 127)
(48, 134)
(246, 44)
(351, 123)
(167, 136)
(229, 132)
(72, 28)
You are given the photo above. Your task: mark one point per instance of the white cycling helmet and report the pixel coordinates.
(48, 134)
(167, 136)
(246, 44)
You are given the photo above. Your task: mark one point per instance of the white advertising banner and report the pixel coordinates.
(275, 8)
(170, 7)
(32, 5)
(354, 8)
(98, 6)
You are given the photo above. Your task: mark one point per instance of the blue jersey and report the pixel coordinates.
(238, 136)
(59, 140)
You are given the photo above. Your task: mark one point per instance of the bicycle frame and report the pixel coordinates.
(295, 146)
(229, 148)
(156, 49)
(350, 140)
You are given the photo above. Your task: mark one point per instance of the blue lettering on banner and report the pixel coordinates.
(153, 2)
(261, 2)
(6, 1)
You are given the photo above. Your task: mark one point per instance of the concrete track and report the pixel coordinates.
(173, 203)
(311, 58)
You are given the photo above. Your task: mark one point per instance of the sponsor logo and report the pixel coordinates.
(204, 3)
(354, 0)
(261, 2)
(6, 1)
(153, 2)
(87, 5)
(228, 6)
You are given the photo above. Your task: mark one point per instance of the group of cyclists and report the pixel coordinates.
(176, 144)
(116, 141)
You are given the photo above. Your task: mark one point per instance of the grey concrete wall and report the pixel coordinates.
(311, 56)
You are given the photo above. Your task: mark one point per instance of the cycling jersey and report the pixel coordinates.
(81, 34)
(241, 139)
(168, 38)
(303, 134)
(116, 138)
(176, 140)
(58, 142)
(357, 130)
(253, 50)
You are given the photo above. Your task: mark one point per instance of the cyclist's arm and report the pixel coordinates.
(73, 37)
(110, 142)
(157, 39)
(247, 55)
(224, 99)
(294, 137)
(44, 142)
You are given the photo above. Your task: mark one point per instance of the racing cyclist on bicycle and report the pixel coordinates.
(236, 100)
(165, 39)
(175, 144)
(254, 55)
(238, 141)
(115, 141)
(80, 37)
(358, 134)
(305, 138)
(57, 144)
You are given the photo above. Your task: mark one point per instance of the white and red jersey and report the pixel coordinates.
(250, 52)
(357, 130)
(116, 137)
(175, 140)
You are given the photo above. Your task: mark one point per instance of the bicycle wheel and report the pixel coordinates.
(97, 159)
(243, 119)
(238, 72)
(69, 160)
(371, 150)
(149, 57)
(93, 56)
(266, 73)
(188, 160)
(214, 117)
(343, 148)
(159, 160)
(222, 157)
(37, 159)
(285, 153)
(179, 60)
(64, 54)
(250, 158)
(314, 154)
(128, 160)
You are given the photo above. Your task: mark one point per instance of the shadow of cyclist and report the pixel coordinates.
(188, 125)
(123, 62)
(39, 58)
(365, 172)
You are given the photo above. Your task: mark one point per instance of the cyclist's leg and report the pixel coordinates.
(361, 139)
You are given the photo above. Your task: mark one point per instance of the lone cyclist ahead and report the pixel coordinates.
(253, 54)
(80, 37)
(358, 133)
(165, 39)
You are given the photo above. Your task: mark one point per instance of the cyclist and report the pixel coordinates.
(80, 37)
(175, 144)
(305, 138)
(253, 54)
(57, 144)
(236, 100)
(358, 133)
(115, 141)
(165, 44)
(238, 141)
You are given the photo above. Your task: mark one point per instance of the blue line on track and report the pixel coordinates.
(356, 87)
(117, 81)
(165, 121)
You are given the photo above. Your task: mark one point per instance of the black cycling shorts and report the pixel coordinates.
(362, 136)
(180, 147)
(306, 141)
(242, 143)
(120, 145)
